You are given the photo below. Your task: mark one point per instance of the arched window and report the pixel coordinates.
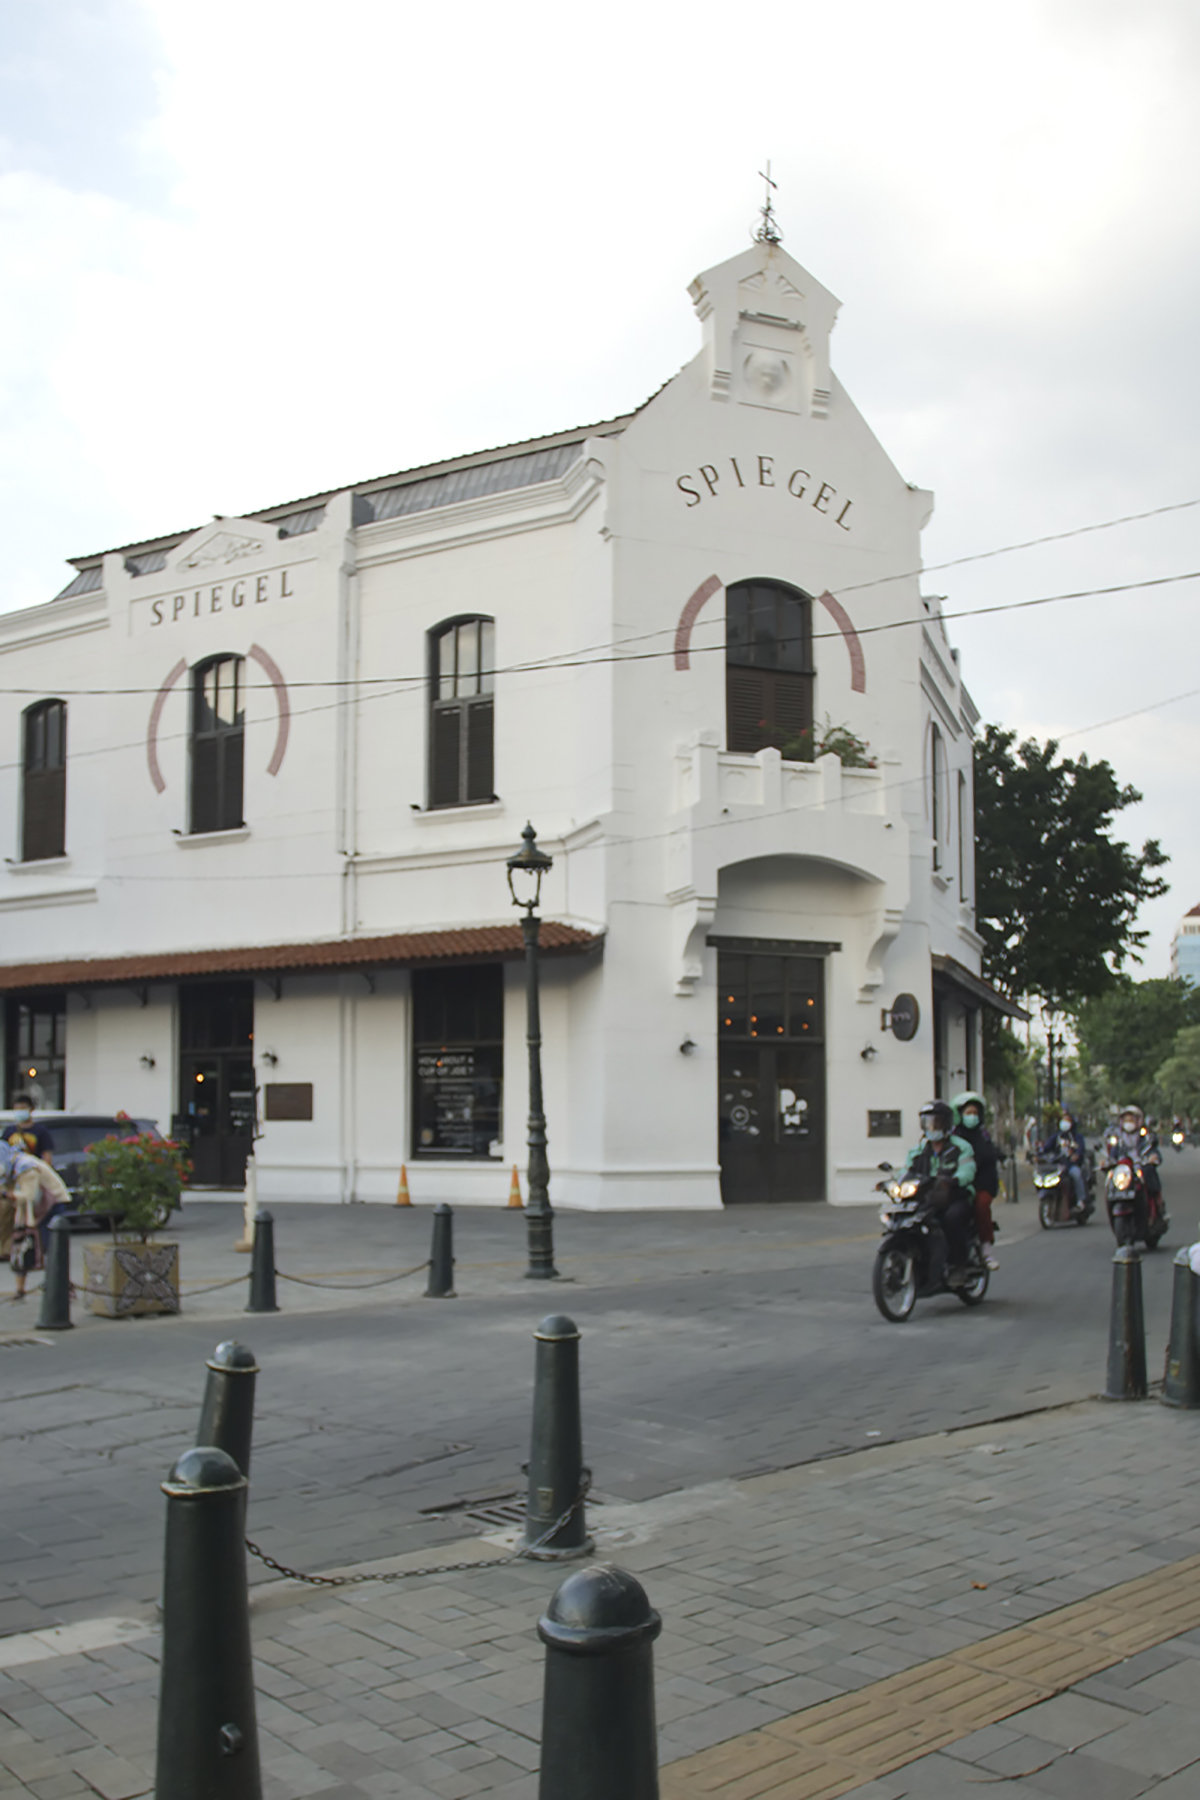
(461, 664)
(218, 732)
(768, 669)
(44, 781)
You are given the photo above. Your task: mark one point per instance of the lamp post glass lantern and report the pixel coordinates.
(525, 871)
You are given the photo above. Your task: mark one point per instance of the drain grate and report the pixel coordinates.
(20, 1340)
(499, 1514)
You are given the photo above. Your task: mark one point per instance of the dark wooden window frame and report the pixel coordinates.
(770, 673)
(218, 753)
(462, 720)
(44, 781)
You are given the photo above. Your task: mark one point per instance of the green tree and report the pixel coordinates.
(1056, 894)
(1130, 1031)
(1179, 1077)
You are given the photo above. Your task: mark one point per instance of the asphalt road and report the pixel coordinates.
(713, 1345)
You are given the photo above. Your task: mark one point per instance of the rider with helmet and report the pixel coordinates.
(951, 1161)
(971, 1110)
(1132, 1137)
(1067, 1146)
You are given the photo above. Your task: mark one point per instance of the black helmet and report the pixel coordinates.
(940, 1115)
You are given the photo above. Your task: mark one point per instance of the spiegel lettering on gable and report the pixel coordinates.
(712, 480)
(251, 590)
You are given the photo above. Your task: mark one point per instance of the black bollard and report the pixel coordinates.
(1127, 1329)
(1181, 1379)
(56, 1282)
(207, 1731)
(262, 1265)
(441, 1256)
(1014, 1193)
(598, 1733)
(556, 1449)
(227, 1415)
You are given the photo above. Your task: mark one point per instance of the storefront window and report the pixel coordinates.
(458, 1062)
(36, 1061)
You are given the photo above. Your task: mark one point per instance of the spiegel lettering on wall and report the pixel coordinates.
(249, 590)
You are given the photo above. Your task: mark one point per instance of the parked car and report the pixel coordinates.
(72, 1135)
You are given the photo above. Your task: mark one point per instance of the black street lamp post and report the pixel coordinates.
(525, 871)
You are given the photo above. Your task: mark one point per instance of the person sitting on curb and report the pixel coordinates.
(972, 1111)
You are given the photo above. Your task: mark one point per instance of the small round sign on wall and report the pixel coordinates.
(905, 1017)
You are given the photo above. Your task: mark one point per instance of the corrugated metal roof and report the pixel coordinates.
(148, 564)
(510, 473)
(88, 581)
(471, 943)
(296, 524)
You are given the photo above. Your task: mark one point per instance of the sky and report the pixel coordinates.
(249, 251)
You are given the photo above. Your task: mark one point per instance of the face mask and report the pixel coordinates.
(24, 1114)
(1064, 1124)
(971, 1119)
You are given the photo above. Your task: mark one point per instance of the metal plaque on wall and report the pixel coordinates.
(288, 1100)
(883, 1124)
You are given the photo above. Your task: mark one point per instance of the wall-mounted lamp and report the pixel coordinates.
(270, 1058)
(869, 1052)
(147, 1062)
(686, 1048)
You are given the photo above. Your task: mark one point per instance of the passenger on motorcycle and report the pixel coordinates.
(1066, 1145)
(972, 1110)
(951, 1161)
(1132, 1137)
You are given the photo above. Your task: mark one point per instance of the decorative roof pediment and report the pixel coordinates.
(767, 323)
(227, 541)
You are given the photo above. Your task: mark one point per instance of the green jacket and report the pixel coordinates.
(953, 1159)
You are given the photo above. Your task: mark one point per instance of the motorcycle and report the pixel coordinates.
(1133, 1212)
(1178, 1138)
(913, 1248)
(1057, 1204)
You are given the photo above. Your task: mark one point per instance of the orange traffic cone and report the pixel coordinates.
(402, 1198)
(514, 1192)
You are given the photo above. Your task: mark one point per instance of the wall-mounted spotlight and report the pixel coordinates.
(686, 1048)
(147, 1062)
(270, 1058)
(869, 1052)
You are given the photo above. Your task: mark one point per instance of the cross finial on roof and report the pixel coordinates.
(768, 231)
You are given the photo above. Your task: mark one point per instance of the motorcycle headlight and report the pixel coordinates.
(908, 1189)
(1122, 1178)
(1045, 1181)
(893, 1190)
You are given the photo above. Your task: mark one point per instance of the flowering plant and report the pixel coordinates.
(837, 740)
(134, 1180)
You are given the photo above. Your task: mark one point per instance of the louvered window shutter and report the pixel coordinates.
(445, 740)
(746, 709)
(204, 784)
(790, 709)
(44, 814)
(480, 772)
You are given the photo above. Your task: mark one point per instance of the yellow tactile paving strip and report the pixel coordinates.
(844, 1743)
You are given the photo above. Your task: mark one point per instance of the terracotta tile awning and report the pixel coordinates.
(404, 950)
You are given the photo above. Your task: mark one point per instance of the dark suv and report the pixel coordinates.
(72, 1134)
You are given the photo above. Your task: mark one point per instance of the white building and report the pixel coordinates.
(264, 778)
(1185, 948)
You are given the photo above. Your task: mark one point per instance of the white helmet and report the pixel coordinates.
(1134, 1112)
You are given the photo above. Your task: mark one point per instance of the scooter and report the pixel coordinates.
(1133, 1212)
(911, 1262)
(1057, 1204)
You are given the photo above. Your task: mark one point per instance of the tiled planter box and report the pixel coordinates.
(126, 1280)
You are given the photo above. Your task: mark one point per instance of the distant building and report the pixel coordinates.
(1185, 948)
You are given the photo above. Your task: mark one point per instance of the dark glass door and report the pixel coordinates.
(771, 1079)
(216, 1078)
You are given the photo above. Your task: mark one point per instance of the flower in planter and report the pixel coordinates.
(134, 1181)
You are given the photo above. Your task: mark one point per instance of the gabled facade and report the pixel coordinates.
(264, 777)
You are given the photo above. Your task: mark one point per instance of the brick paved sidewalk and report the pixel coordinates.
(779, 1593)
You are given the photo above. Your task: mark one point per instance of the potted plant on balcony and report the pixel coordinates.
(133, 1183)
